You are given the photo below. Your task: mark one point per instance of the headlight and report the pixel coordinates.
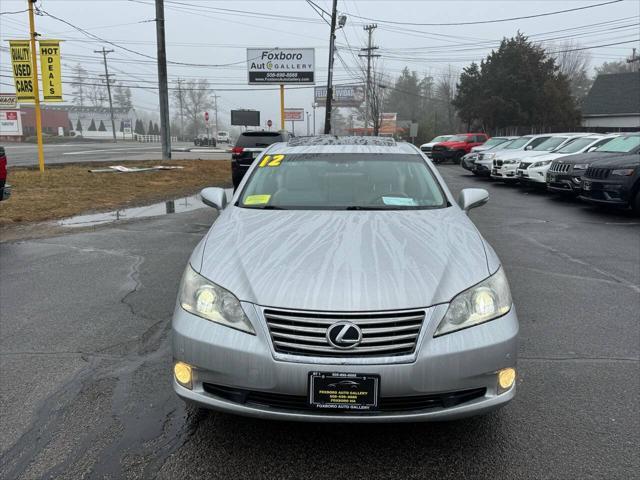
(212, 302)
(485, 301)
(489, 156)
(623, 172)
(541, 164)
(581, 166)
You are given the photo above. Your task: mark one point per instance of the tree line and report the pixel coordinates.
(520, 87)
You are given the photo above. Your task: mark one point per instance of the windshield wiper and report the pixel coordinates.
(265, 207)
(364, 207)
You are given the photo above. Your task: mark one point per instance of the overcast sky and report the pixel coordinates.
(203, 32)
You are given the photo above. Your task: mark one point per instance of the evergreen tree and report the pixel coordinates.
(156, 129)
(518, 85)
(150, 128)
(78, 126)
(92, 126)
(102, 128)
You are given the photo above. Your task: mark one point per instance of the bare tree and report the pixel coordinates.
(574, 64)
(78, 87)
(445, 93)
(377, 92)
(196, 100)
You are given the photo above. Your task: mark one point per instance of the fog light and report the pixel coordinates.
(183, 374)
(506, 377)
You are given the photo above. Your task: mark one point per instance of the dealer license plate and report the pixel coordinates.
(343, 391)
(586, 185)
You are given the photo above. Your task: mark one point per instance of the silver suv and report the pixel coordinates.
(343, 282)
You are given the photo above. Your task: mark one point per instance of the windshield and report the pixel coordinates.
(518, 143)
(441, 138)
(492, 142)
(502, 146)
(577, 144)
(458, 138)
(342, 181)
(550, 144)
(620, 144)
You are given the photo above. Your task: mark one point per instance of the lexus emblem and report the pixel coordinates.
(344, 335)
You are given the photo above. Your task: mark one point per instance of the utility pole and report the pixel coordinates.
(314, 105)
(165, 134)
(308, 123)
(179, 82)
(332, 39)
(107, 79)
(634, 58)
(368, 90)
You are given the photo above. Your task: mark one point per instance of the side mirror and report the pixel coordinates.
(528, 147)
(214, 197)
(591, 149)
(472, 197)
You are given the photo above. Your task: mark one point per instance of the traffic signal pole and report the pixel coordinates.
(36, 89)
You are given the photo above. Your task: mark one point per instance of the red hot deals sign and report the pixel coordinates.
(294, 114)
(280, 65)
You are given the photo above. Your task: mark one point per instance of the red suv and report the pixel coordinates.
(457, 146)
(5, 190)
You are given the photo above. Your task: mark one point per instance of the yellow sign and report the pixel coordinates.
(271, 161)
(257, 199)
(51, 72)
(22, 70)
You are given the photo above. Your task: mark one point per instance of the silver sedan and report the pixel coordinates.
(343, 283)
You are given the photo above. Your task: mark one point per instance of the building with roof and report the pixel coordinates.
(613, 103)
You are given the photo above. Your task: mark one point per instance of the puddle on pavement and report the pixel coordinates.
(163, 208)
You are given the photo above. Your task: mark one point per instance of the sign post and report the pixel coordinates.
(36, 93)
(281, 66)
(269, 124)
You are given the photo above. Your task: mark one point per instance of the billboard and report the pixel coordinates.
(343, 95)
(245, 117)
(280, 65)
(294, 114)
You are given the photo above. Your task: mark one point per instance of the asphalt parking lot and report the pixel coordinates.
(85, 381)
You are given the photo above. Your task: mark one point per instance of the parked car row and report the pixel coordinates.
(453, 147)
(602, 169)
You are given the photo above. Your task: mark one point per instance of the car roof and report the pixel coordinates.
(346, 144)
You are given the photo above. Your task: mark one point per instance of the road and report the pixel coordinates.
(27, 154)
(85, 359)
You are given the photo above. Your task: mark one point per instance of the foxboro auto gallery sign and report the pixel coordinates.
(280, 65)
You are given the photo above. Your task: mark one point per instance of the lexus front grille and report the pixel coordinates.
(296, 332)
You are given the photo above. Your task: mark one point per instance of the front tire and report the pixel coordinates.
(635, 204)
(457, 157)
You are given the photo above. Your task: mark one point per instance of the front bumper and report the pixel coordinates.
(457, 362)
(507, 171)
(442, 155)
(564, 182)
(607, 192)
(532, 175)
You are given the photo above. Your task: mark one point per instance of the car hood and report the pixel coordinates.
(618, 161)
(343, 260)
(518, 154)
(452, 144)
(591, 157)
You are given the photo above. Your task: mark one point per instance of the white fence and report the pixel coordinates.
(150, 138)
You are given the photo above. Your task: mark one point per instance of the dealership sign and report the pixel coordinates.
(294, 114)
(280, 65)
(10, 123)
(51, 72)
(8, 100)
(343, 95)
(22, 71)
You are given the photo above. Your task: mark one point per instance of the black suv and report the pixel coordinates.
(565, 174)
(614, 181)
(248, 146)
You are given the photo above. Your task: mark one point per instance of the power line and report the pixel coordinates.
(479, 22)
